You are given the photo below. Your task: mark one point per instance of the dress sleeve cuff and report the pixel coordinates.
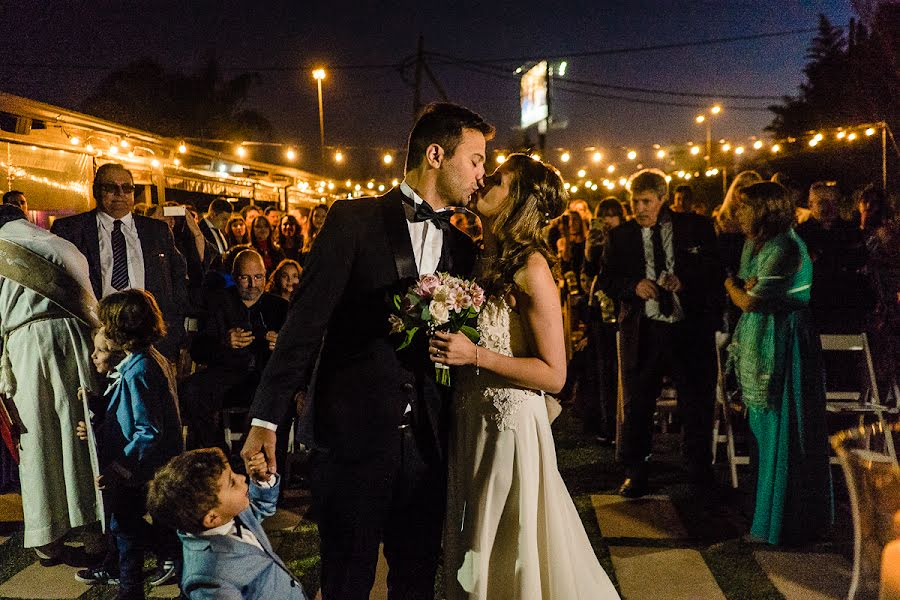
(264, 424)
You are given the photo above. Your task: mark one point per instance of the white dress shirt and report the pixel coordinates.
(247, 536)
(132, 244)
(427, 240)
(651, 307)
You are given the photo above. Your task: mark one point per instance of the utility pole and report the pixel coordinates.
(417, 94)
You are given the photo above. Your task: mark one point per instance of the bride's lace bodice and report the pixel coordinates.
(502, 332)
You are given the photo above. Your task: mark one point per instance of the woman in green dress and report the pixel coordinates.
(776, 356)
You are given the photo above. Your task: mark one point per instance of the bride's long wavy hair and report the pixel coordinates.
(537, 197)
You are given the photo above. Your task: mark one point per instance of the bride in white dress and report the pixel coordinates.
(512, 530)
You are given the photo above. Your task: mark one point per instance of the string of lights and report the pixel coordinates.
(586, 168)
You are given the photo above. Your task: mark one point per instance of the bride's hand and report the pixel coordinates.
(453, 349)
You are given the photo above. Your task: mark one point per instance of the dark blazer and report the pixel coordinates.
(224, 311)
(696, 265)
(164, 267)
(207, 232)
(361, 257)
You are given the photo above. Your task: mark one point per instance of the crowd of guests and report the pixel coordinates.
(755, 278)
(769, 268)
(189, 312)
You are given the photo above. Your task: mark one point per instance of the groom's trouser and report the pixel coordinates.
(391, 496)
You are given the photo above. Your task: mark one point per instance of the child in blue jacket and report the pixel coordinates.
(140, 430)
(227, 555)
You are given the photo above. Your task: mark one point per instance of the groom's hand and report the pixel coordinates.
(260, 439)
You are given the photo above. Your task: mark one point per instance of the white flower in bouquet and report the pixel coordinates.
(440, 312)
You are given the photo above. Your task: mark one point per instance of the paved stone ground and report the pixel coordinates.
(670, 545)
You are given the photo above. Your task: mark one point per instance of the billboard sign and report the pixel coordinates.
(534, 95)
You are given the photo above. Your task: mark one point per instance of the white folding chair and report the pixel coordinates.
(722, 417)
(861, 402)
(231, 435)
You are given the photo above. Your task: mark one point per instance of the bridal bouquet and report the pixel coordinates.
(437, 302)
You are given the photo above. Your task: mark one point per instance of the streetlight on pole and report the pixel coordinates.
(703, 119)
(319, 75)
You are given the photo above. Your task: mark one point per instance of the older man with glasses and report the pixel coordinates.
(125, 250)
(234, 344)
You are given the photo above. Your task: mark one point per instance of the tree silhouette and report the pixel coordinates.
(849, 80)
(199, 105)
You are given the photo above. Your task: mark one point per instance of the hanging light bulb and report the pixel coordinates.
(597, 157)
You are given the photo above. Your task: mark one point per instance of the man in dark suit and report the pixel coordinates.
(234, 343)
(213, 224)
(125, 250)
(663, 270)
(378, 412)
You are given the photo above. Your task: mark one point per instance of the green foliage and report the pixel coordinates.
(202, 104)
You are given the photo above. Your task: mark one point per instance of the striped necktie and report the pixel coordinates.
(120, 257)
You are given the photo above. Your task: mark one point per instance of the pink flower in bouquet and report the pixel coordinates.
(437, 302)
(477, 295)
(426, 285)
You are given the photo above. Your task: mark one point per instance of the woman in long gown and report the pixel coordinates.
(512, 530)
(776, 356)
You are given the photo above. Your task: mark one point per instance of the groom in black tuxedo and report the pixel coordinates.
(379, 414)
(663, 270)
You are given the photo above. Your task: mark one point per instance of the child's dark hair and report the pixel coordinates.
(132, 319)
(187, 488)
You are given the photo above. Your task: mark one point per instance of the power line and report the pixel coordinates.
(654, 47)
(517, 59)
(560, 85)
(449, 60)
(292, 69)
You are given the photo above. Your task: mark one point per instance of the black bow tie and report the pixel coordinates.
(424, 212)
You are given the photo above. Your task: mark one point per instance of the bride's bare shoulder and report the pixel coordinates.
(535, 280)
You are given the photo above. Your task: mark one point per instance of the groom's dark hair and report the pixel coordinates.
(442, 123)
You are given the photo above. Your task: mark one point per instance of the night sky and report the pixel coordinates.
(372, 106)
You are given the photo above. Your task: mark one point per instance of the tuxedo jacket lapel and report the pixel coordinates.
(398, 234)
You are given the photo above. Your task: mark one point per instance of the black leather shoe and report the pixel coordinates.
(633, 487)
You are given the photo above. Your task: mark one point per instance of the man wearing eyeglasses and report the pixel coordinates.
(234, 344)
(125, 250)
